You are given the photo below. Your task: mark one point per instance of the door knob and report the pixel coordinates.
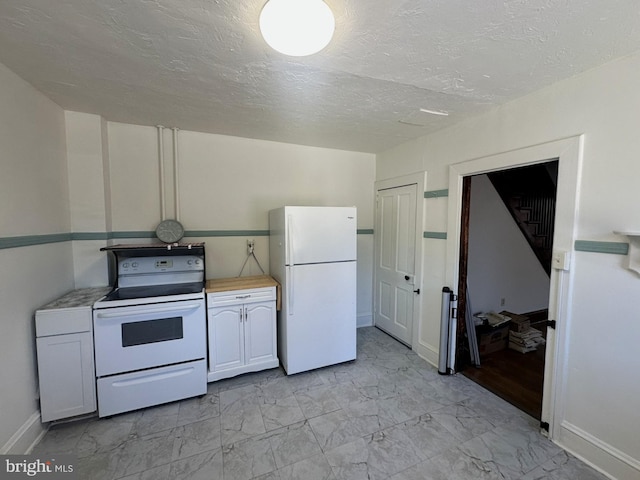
(407, 277)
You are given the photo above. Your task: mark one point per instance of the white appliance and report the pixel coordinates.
(313, 257)
(150, 331)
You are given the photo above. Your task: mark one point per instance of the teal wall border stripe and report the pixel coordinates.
(438, 235)
(226, 233)
(29, 240)
(616, 248)
(132, 234)
(90, 236)
(246, 233)
(436, 193)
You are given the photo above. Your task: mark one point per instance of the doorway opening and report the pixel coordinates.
(506, 244)
(569, 153)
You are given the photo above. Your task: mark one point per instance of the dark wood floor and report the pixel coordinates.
(516, 377)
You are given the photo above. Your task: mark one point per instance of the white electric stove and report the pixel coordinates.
(150, 330)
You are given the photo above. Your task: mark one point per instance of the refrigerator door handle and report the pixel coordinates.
(289, 241)
(290, 289)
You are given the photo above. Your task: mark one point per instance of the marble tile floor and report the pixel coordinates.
(386, 415)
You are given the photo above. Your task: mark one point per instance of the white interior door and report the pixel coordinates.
(395, 254)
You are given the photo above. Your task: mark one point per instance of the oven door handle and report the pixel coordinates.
(181, 308)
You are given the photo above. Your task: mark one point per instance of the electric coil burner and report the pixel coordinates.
(150, 330)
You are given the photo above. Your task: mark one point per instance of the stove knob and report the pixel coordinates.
(189, 262)
(125, 265)
(197, 262)
(134, 264)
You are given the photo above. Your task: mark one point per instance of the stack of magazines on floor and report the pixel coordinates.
(522, 336)
(527, 341)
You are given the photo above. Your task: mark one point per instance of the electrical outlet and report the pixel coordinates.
(250, 246)
(503, 301)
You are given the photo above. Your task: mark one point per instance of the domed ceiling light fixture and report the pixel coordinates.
(297, 27)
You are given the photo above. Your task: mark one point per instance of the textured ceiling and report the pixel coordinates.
(202, 65)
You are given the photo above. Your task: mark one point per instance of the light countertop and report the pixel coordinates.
(243, 283)
(82, 297)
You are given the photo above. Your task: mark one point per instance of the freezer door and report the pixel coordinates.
(318, 319)
(320, 234)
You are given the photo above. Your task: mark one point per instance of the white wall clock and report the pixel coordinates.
(170, 231)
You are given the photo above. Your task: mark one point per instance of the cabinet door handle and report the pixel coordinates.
(289, 241)
(244, 296)
(240, 314)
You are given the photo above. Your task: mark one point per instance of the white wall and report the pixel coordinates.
(232, 183)
(225, 184)
(34, 200)
(88, 195)
(501, 263)
(107, 182)
(599, 398)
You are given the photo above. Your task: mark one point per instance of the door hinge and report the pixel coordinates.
(551, 324)
(544, 426)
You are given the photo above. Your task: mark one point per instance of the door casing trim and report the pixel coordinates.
(569, 152)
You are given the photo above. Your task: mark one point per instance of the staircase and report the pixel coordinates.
(529, 194)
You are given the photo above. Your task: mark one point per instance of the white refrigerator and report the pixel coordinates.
(312, 254)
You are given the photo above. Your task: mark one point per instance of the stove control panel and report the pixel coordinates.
(150, 265)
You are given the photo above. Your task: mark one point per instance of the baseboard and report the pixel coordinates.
(233, 372)
(428, 352)
(27, 436)
(600, 455)
(364, 320)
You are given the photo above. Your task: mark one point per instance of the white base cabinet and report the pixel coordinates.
(66, 374)
(64, 342)
(242, 332)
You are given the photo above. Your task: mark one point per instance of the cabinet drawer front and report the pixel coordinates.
(131, 391)
(63, 321)
(236, 297)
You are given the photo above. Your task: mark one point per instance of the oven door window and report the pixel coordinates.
(151, 331)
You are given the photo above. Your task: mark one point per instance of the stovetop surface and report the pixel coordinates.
(149, 291)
